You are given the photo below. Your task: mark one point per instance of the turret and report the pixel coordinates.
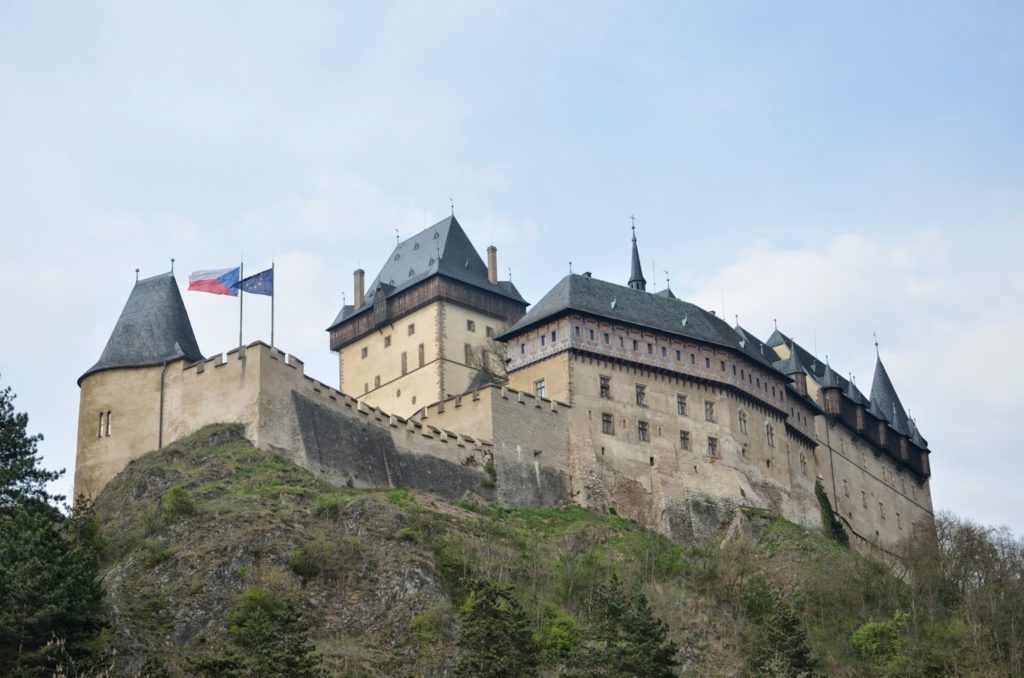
(120, 413)
(793, 367)
(636, 274)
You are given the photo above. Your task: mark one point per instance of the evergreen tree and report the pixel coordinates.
(624, 637)
(495, 636)
(775, 642)
(49, 563)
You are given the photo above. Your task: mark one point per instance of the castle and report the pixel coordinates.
(602, 394)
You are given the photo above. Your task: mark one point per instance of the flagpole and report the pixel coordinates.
(241, 298)
(272, 291)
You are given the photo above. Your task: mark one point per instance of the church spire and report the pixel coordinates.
(636, 275)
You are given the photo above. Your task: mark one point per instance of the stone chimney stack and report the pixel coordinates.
(492, 264)
(358, 275)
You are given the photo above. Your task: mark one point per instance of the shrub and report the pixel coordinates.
(154, 553)
(881, 643)
(829, 521)
(426, 627)
(177, 502)
(328, 506)
(557, 637)
(305, 561)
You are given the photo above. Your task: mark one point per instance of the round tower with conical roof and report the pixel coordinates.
(120, 413)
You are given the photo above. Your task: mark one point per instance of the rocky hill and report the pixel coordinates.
(377, 577)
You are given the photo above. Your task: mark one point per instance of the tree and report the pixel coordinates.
(775, 642)
(624, 637)
(495, 636)
(21, 477)
(49, 562)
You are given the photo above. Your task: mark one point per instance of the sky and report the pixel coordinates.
(842, 168)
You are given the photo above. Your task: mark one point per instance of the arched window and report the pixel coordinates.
(108, 423)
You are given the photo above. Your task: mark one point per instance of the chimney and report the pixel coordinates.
(358, 276)
(492, 264)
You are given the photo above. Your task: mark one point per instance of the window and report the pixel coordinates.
(622, 343)
(542, 339)
(607, 424)
(681, 404)
(607, 338)
(903, 484)
(743, 450)
(768, 463)
(636, 345)
(846, 488)
(650, 348)
(641, 395)
(899, 522)
(709, 410)
(413, 400)
(469, 354)
(863, 499)
(643, 431)
(422, 355)
(539, 388)
(693, 358)
(679, 356)
(412, 329)
(652, 460)
(366, 387)
(553, 335)
(99, 429)
(707, 363)
(881, 510)
(471, 325)
(405, 362)
(108, 423)
(364, 352)
(577, 330)
(522, 349)
(684, 440)
(723, 366)
(490, 332)
(913, 492)
(387, 341)
(734, 369)
(743, 421)
(712, 447)
(591, 334)
(803, 463)
(606, 387)
(664, 352)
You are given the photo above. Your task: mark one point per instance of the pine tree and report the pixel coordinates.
(49, 562)
(624, 637)
(495, 636)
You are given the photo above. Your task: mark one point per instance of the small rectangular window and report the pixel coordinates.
(650, 348)
(723, 366)
(712, 447)
(664, 352)
(490, 332)
(652, 460)
(709, 410)
(553, 335)
(577, 331)
(606, 387)
(641, 395)
(684, 440)
(643, 431)
(540, 388)
(863, 499)
(707, 363)
(423, 355)
(591, 335)
(899, 522)
(542, 339)
(376, 381)
(607, 423)
(387, 341)
(363, 353)
(108, 423)
(405, 362)
(607, 338)
(636, 345)
(471, 326)
(743, 450)
(679, 355)
(734, 369)
(412, 329)
(99, 429)
(522, 349)
(622, 342)
(681, 404)
(846, 488)
(881, 510)
(693, 358)
(469, 354)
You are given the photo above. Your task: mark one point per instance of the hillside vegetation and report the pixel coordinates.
(222, 559)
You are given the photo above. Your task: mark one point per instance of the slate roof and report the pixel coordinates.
(153, 327)
(441, 249)
(885, 402)
(622, 304)
(636, 273)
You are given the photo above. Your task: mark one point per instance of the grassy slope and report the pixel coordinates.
(380, 573)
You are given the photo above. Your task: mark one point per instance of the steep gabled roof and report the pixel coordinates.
(884, 401)
(792, 364)
(441, 249)
(626, 305)
(153, 327)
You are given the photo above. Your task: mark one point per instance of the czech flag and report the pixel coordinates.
(219, 281)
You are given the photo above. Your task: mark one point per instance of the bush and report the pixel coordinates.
(557, 637)
(305, 561)
(177, 502)
(154, 553)
(328, 506)
(426, 627)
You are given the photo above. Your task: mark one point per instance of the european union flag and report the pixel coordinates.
(259, 283)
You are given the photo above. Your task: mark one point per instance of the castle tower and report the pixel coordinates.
(425, 327)
(636, 274)
(119, 412)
